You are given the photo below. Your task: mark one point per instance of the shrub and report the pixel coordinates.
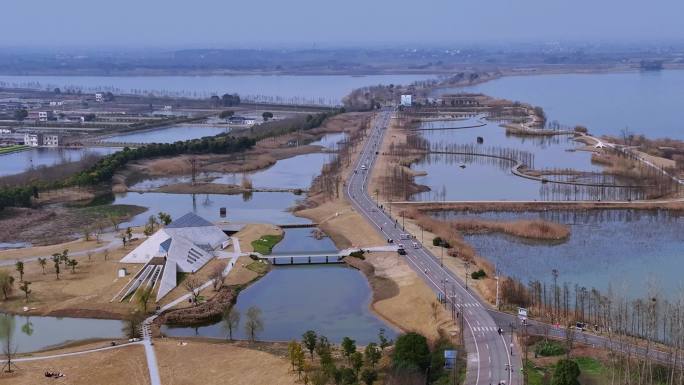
(478, 274)
(548, 348)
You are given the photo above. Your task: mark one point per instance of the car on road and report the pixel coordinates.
(401, 251)
(404, 236)
(363, 167)
(415, 245)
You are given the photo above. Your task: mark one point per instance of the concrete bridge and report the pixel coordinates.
(320, 258)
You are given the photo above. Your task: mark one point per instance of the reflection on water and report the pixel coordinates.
(333, 300)
(267, 207)
(625, 249)
(169, 134)
(461, 177)
(17, 162)
(36, 333)
(330, 141)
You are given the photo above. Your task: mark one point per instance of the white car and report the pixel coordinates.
(415, 245)
(363, 167)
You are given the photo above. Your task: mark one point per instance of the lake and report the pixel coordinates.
(332, 300)
(458, 177)
(31, 333)
(17, 162)
(316, 89)
(648, 103)
(169, 134)
(626, 249)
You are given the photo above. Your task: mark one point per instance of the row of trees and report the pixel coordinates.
(650, 322)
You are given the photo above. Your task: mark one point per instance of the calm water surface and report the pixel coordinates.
(648, 103)
(626, 249)
(18, 162)
(169, 134)
(487, 179)
(36, 333)
(320, 89)
(253, 208)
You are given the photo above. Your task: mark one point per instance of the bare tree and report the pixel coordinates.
(231, 319)
(6, 336)
(217, 275)
(254, 323)
(192, 285)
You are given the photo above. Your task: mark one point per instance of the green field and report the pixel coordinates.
(264, 245)
(11, 149)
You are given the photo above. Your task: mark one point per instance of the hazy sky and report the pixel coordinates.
(230, 23)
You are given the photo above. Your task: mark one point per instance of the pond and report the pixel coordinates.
(627, 250)
(32, 333)
(647, 102)
(318, 89)
(17, 162)
(169, 134)
(332, 300)
(266, 207)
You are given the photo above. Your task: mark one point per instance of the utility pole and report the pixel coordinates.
(496, 276)
(467, 267)
(524, 342)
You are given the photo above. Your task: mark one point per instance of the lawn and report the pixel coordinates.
(258, 267)
(264, 245)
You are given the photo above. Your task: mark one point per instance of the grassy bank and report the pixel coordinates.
(265, 244)
(11, 149)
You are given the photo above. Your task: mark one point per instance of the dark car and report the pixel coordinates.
(401, 251)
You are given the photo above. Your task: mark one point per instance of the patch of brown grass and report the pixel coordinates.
(530, 229)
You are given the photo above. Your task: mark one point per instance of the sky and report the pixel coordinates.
(325, 23)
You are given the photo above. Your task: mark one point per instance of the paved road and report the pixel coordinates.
(489, 357)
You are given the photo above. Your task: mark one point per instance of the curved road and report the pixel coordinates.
(489, 358)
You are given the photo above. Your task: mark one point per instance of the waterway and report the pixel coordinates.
(168, 134)
(37, 333)
(649, 103)
(332, 300)
(17, 162)
(318, 89)
(629, 251)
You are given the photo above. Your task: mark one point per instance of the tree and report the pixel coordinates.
(267, 115)
(309, 340)
(133, 324)
(299, 360)
(324, 351)
(192, 285)
(254, 323)
(129, 234)
(86, 231)
(72, 264)
(57, 91)
(566, 373)
(368, 376)
(6, 284)
(25, 288)
(372, 354)
(216, 275)
(292, 350)
(231, 319)
(411, 351)
(357, 361)
(6, 334)
(20, 114)
(20, 269)
(348, 347)
(56, 260)
(143, 296)
(164, 218)
(347, 376)
(384, 341)
(42, 262)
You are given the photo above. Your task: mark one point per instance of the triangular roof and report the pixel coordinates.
(189, 220)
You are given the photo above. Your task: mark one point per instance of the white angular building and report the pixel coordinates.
(185, 245)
